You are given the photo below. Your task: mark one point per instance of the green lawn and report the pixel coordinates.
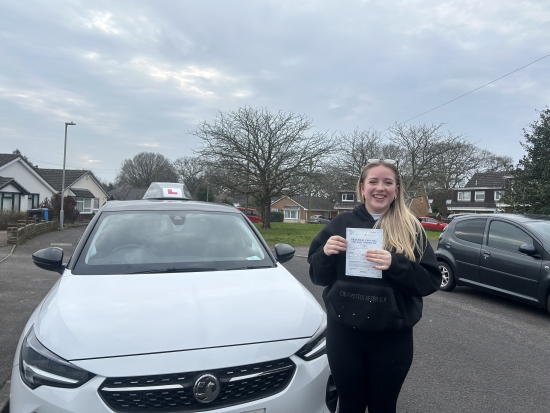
(301, 235)
(297, 235)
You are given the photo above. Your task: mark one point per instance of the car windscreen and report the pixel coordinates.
(126, 242)
(540, 227)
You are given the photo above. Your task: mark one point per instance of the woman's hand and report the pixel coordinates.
(381, 258)
(335, 244)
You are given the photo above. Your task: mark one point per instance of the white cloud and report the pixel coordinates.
(123, 70)
(100, 20)
(149, 144)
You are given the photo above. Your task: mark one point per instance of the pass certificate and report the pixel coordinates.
(360, 240)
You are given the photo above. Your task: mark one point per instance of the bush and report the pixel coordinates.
(10, 217)
(70, 213)
(277, 217)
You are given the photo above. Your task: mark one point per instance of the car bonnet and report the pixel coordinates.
(115, 315)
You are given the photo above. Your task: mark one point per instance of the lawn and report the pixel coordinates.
(301, 235)
(297, 235)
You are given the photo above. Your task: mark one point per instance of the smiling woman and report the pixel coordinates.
(370, 347)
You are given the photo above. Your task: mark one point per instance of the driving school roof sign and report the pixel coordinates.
(167, 190)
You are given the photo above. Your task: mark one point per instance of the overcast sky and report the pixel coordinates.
(139, 75)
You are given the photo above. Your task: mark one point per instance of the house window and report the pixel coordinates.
(465, 196)
(84, 205)
(348, 197)
(291, 214)
(96, 204)
(32, 201)
(480, 196)
(498, 195)
(9, 201)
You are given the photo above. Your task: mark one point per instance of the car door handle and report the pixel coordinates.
(486, 254)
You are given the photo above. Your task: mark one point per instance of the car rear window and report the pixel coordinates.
(471, 230)
(150, 241)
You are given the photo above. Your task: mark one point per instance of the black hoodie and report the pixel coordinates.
(390, 303)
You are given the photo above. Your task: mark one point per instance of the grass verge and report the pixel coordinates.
(301, 235)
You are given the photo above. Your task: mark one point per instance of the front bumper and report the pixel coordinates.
(305, 394)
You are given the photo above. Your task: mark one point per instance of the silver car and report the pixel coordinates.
(319, 219)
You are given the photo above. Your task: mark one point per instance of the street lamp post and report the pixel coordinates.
(61, 212)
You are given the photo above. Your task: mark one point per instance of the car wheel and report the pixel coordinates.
(447, 278)
(548, 303)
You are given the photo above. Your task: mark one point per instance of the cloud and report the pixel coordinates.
(100, 20)
(149, 144)
(137, 74)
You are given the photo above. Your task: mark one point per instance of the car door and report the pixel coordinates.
(464, 245)
(503, 266)
(426, 223)
(434, 224)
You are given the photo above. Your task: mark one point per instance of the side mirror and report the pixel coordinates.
(528, 249)
(50, 259)
(284, 252)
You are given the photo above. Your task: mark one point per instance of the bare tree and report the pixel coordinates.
(490, 162)
(191, 171)
(356, 148)
(144, 168)
(453, 168)
(353, 151)
(424, 146)
(260, 153)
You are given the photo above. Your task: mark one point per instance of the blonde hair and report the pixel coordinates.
(403, 233)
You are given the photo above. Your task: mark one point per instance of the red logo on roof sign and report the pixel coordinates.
(171, 192)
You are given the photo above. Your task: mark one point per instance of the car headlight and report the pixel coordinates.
(316, 346)
(40, 367)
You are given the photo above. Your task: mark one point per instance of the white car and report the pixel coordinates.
(172, 306)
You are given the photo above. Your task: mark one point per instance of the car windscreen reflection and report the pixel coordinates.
(170, 241)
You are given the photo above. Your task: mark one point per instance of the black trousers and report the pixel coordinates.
(368, 368)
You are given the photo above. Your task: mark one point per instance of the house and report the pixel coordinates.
(482, 194)
(126, 193)
(11, 194)
(26, 186)
(295, 208)
(80, 184)
(30, 189)
(346, 201)
(420, 206)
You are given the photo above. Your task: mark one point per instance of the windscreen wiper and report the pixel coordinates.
(174, 269)
(249, 267)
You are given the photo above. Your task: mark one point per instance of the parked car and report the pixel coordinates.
(504, 254)
(432, 224)
(251, 214)
(319, 219)
(176, 306)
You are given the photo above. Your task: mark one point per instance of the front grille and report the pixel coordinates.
(174, 392)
